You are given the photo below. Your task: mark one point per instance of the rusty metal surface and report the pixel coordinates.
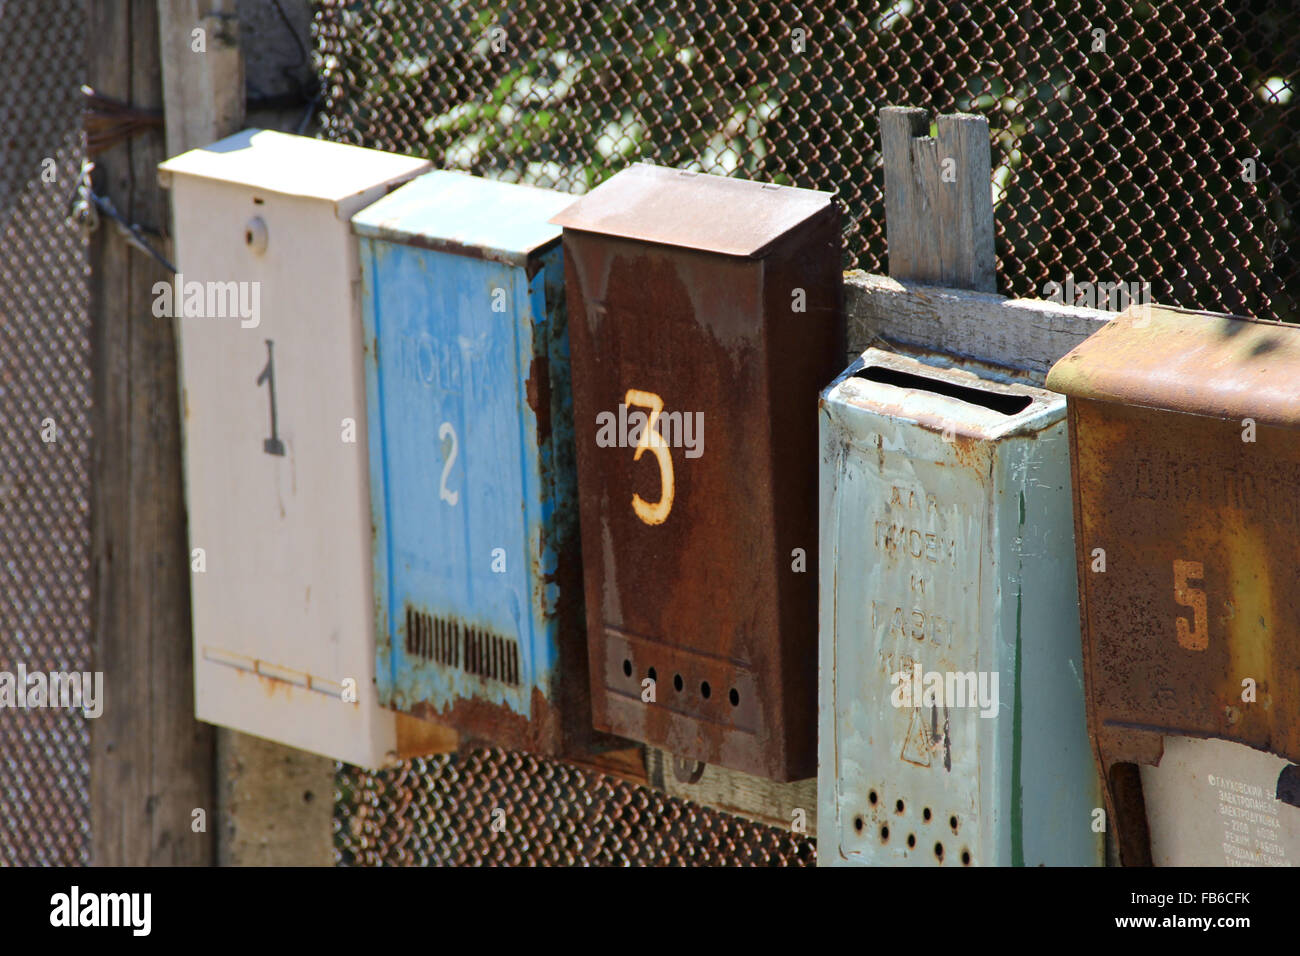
(700, 592)
(734, 217)
(441, 811)
(1200, 531)
(1217, 365)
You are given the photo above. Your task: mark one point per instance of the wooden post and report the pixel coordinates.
(151, 763)
(938, 199)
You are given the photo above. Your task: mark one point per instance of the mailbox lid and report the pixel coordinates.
(952, 400)
(676, 207)
(1220, 366)
(466, 215)
(269, 161)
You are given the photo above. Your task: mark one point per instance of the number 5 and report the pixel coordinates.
(650, 438)
(1198, 639)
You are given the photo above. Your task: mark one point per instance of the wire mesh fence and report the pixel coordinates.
(1146, 142)
(1136, 142)
(44, 430)
(498, 807)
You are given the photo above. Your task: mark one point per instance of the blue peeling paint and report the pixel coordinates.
(462, 284)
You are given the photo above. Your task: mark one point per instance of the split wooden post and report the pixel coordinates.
(938, 199)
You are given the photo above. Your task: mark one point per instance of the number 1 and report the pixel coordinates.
(272, 445)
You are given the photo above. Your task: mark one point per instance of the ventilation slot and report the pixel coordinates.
(1000, 402)
(453, 644)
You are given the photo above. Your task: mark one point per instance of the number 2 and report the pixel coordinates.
(1197, 638)
(445, 493)
(657, 512)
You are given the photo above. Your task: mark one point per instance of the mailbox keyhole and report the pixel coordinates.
(1000, 402)
(255, 235)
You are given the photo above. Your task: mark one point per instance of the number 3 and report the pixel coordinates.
(1198, 638)
(657, 512)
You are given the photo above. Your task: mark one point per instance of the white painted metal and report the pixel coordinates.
(1213, 803)
(283, 621)
(947, 546)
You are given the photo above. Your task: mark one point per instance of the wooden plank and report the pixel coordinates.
(755, 798)
(1025, 336)
(938, 199)
(203, 89)
(151, 763)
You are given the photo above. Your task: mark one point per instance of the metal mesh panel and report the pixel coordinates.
(441, 811)
(1132, 142)
(1125, 134)
(44, 375)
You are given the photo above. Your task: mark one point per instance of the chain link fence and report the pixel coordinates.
(45, 389)
(1132, 142)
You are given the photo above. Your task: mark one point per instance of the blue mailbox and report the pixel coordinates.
(476, 554)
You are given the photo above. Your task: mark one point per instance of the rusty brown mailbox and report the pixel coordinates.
(705, 315)
(1185, 446)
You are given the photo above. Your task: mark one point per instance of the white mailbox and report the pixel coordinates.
(266, 305)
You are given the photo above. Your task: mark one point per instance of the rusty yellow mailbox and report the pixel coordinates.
(705, 317)
(1185, 447)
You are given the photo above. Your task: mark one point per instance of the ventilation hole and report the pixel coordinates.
(872, 798)
(858, 824)
(257, 201)
(965, 857)
(476, 651)
(911, 840)
(925, 814)
(1000, 402)
(705, 690)
(952, 822)
(899, 807)
(627, 668)
(735, 697)
(884, 834)
(938, 851)
(677, 682)
(653, 675)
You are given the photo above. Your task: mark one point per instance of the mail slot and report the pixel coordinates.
(952, 717)
(1183, 429)
(274, 430)
(707, 314)
(478, 589)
